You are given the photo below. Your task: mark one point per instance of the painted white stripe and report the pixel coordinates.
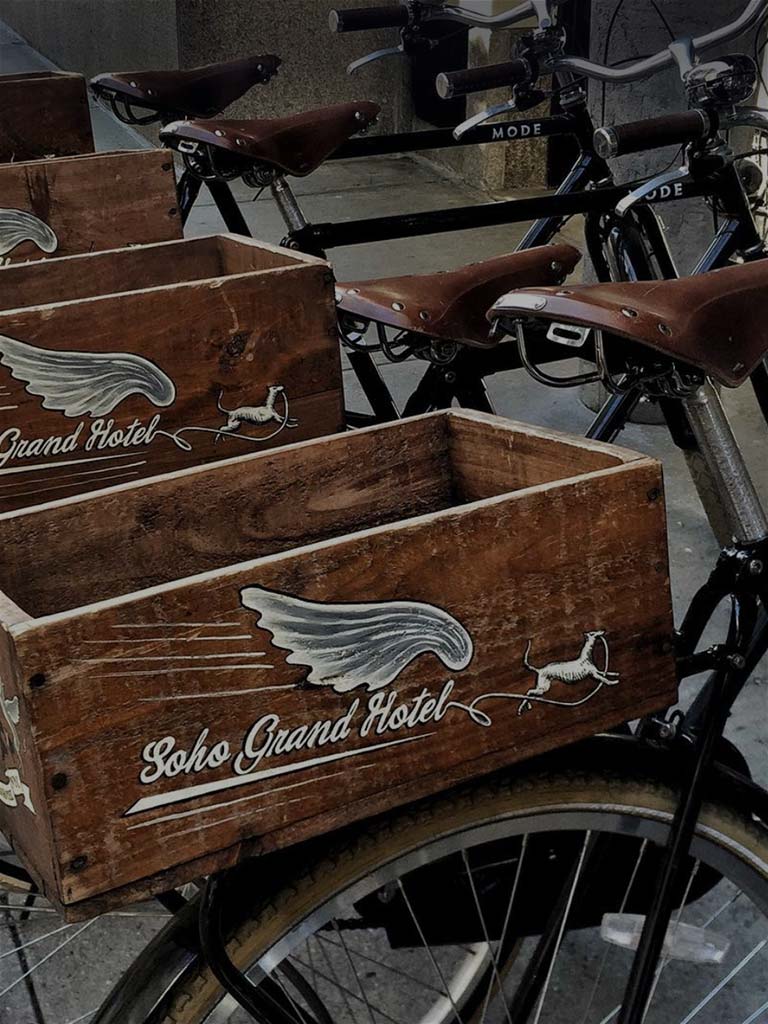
(63, 462)
(170, 639)
(175, 657)
(177, 815)
(172, 625)
(217, 693)
(175, 671)
(176, 796)
(72, 483)
(85, 472)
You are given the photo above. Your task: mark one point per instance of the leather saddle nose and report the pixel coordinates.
(451, 305)
(716, 322)
(297, 144)
(196, 92)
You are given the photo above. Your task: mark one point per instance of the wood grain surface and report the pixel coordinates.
(139, 374)
(93, 202)
(183, 731)
(44, 114)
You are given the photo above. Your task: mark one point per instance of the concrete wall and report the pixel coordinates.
(314, 61)
(639, 31)
(98, 35)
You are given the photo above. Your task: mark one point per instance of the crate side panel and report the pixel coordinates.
(23, 803)
(244, 703)
(44, 116)
(104, 273)
(182, 524)
(487, 456)
(126, 386)
(84, 204)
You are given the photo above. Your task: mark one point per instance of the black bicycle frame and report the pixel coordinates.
(737, 235)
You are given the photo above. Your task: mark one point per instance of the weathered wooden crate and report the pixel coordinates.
(44, 114)
(236, 657)
(86, 203)
(125, 364)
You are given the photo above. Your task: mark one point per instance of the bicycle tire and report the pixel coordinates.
(741, 839)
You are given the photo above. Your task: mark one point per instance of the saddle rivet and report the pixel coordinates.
(664, 329)
(354, 291)
(631, 313)
(219, 132)
(359, 116)
(564, 292)
(557, 267)
(398, 307)
(133, 85)
(424, 314)
(539, 303)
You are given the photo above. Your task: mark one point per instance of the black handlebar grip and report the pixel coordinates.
(364, 19)
(492, 76)
(654, 133)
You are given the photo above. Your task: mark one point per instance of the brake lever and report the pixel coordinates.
(644, 190)
(484, 115)
(369, 58)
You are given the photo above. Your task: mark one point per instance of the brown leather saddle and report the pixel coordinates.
(716, 322)
(451, 305)
(296, 145)
(195, 92)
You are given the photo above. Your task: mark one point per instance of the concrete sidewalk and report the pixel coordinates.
(75, 980)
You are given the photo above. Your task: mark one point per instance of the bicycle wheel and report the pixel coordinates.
(380, 927)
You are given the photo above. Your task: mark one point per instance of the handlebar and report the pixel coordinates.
(460, 83)
(641, 69)
(364, 19)
(654, 133)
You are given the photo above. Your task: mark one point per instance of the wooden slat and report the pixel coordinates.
(93, 202)
(44, 114)
(196, 520)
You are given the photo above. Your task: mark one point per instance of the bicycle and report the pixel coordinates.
(551, 866)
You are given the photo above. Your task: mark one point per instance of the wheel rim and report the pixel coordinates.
(455, 981)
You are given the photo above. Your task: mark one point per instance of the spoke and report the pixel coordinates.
(425, 944)
(758, 1014)
(388, 967)
(665, 960)
(354, 971)
(624, 901)
(341, 988)
(33, 942)
(494, 962)
(505, 926)
(34, 967)
(566, 912)
(721, 985)
(85, 1016)
(300, 1015)
(347, 991)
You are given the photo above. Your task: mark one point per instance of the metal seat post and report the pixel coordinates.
(729, 473)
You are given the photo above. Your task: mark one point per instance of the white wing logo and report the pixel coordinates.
(85, 383)
(351, 645)
(17, 226)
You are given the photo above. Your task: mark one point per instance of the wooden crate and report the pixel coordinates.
(44, 114)
(196, 667)
(134, 362)
(87, 203)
